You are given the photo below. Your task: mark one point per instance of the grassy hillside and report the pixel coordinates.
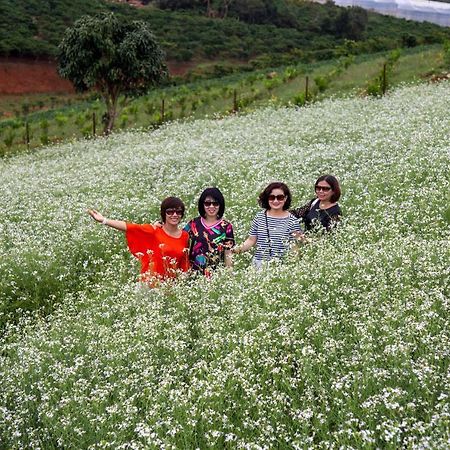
(344, 345)
(34, 28)
(216, 96)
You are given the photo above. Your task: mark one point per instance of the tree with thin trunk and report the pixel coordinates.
(113, 56)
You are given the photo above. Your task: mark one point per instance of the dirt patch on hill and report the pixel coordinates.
(25, 76)
(28, 76)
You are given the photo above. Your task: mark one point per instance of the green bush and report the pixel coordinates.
(446, 52)
(9, 138)
(61, 120)
(44, 139)
(322, 83)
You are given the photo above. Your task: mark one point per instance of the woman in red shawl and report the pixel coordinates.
(163, 251)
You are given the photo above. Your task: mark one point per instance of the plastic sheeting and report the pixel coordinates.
(429, 11)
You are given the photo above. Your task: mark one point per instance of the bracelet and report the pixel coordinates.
(104, 221)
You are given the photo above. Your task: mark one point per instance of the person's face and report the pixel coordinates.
(174, 216)
(211, 207)
(324, 192)
(277, 199)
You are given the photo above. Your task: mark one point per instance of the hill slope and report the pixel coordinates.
(34, 28)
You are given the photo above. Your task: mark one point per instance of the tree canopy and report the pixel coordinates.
(113, 56)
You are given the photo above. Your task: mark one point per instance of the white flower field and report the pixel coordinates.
(344, 345)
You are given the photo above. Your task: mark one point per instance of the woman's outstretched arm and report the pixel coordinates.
(245, 246)
(116, 224)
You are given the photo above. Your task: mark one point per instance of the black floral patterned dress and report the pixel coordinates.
(208, 243)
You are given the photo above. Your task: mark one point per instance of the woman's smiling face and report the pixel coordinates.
(324, 192)
(277, 199)
(211, 207)
(173, 216)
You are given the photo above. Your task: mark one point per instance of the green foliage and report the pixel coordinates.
(351, 23)
(290, 73)
(45, 140)
(348, 74)
(44, 124)
(87, 131)
(113, 56)
(299, 99)
(123, 120)
(409, 40)
(9, 138)
(80, 119)
(272, 83)
(287, 32)
(25, 108)
(15, 124)
(446, 52)
(61, 120)
(35, 27)
(379, 85)
(322, 82)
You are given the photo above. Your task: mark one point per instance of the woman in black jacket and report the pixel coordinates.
(323, 211)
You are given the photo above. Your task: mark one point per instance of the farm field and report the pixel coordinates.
(343, 345)
(63, 118)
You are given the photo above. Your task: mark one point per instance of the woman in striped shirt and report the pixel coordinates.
(274, 228)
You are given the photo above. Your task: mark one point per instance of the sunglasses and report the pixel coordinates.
(173, 212)
(208, 203)
(323, 188)
(280, 198)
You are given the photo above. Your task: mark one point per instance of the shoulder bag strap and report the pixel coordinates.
(268, 234)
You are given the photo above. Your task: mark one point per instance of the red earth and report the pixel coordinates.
(28, 76)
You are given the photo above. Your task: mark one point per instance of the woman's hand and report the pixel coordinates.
(96, 215)
(247, 245)
(100, 218)
(299, 236)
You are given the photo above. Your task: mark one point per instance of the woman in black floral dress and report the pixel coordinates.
(211, 236)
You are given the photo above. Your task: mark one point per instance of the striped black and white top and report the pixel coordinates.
(274, 241)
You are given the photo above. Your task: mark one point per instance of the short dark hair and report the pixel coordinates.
(335, 187)
(171, 202)
(263, 199)
(216, 195)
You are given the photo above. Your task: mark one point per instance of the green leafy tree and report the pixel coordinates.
(113, 56)
(351, 23)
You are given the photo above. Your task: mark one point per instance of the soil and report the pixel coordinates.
(29, 76)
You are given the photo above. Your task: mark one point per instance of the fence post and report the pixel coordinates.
(27, 134)
(162, 110)
(235, 105)
(94, 124)
(384, 86)
(306, 88)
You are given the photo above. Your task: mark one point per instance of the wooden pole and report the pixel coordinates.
(94, 124)
(27, 134)
(384, 87)
(306, 88)
(235, 105)
(162, 110)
